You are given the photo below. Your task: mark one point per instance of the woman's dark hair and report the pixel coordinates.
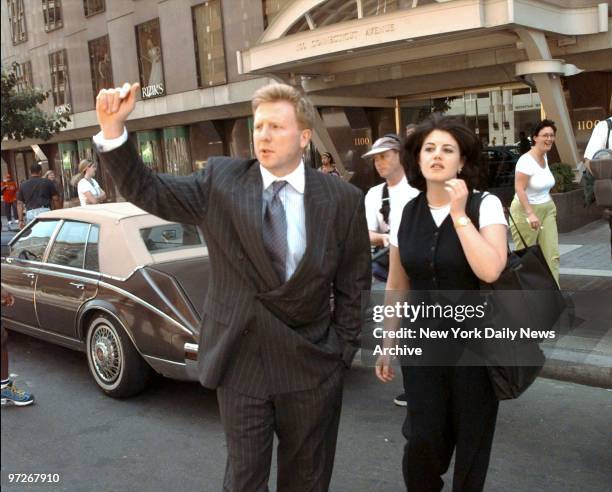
(469, 148)
(543, 124)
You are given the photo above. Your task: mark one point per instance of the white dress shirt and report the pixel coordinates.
(291, 196)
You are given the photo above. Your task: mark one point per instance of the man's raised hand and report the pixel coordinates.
(113, 106)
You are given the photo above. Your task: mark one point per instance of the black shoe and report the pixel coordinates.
(401, 400)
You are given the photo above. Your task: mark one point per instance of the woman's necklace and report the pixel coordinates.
(438, 207)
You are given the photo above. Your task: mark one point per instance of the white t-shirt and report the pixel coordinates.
(490, 212)
(399, 195)
(598, 139)
(541, 180)
(90, 185)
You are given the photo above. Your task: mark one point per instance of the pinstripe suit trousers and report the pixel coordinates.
(306, 424)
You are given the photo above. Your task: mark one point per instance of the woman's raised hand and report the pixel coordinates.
(458, 193)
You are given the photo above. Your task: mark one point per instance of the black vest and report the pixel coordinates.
(432, 256)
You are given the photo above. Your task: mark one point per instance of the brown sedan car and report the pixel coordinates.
(116, 282)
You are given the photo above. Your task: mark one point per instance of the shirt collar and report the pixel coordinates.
(296, 178)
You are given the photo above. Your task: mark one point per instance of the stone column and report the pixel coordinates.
(551, 94)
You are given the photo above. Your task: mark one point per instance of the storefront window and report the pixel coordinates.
(205, 140)
(150, 59)
(100, 64)
(210, 53)
(497, 116)
(68, 162)
(60, 85)
(150, 149)
(239, 137)
(526, 111)
(176, 150)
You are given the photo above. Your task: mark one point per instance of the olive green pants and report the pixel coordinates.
(547, 237)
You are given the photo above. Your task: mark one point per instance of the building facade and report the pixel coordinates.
(370, 66)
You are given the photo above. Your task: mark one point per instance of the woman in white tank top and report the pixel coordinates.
(533, 209)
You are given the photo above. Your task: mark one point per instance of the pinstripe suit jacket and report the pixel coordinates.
(259, 337)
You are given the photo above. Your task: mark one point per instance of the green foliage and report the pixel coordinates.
(564, 177)
(21, 116)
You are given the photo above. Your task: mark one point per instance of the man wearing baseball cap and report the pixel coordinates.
(384, 203)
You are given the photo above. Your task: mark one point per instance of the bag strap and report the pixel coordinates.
(385, 205)
(473, 207)
(609, 122)
(474, 213)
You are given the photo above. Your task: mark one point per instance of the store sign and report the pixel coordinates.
(358, 141)
(347, 37)
(152, 91)
(586, 124)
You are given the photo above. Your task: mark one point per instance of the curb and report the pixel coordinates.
(587, 374)
(561, 370)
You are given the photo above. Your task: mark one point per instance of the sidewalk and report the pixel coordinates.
(585, 356)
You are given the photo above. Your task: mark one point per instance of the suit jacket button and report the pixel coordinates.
(245, 332)
(240, 256)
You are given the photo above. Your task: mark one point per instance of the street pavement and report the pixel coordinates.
(553, 438)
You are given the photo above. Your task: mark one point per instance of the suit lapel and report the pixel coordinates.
(318, 209)
(248, 219)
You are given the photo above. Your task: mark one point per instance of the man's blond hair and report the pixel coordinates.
(304, 110)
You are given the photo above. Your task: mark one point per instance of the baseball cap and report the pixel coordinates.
(388, 142)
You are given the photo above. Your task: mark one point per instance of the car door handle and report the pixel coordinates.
(30, 275)
(78, 285)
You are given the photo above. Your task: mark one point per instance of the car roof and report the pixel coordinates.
(102, 212)
(121, 248)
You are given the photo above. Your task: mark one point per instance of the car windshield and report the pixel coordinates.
(171, 237)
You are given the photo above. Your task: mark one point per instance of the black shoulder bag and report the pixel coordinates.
(527, 271)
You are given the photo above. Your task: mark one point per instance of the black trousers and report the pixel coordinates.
(10, 210)
(306, 424)
(449, 408)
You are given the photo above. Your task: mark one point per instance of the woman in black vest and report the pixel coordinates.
(449, 238)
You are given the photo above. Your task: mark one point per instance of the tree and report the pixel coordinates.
(21, 116)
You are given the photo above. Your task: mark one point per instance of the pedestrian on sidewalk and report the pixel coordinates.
(384, 203)
(9, 197)
(282, 239)
(599, 147)
(328, 166)
(442, 244)
(11, 394)
(533, 209)
(35, 196)
(50, 175)
(89, 190)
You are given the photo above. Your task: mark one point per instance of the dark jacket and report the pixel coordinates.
(256, 337)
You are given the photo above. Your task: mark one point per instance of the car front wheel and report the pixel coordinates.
(114, 363)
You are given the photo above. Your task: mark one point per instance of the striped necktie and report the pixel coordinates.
(275, 231)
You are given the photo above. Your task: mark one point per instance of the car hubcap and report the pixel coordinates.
(106, 354)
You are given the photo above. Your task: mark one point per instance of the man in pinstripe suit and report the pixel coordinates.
(281, 238)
